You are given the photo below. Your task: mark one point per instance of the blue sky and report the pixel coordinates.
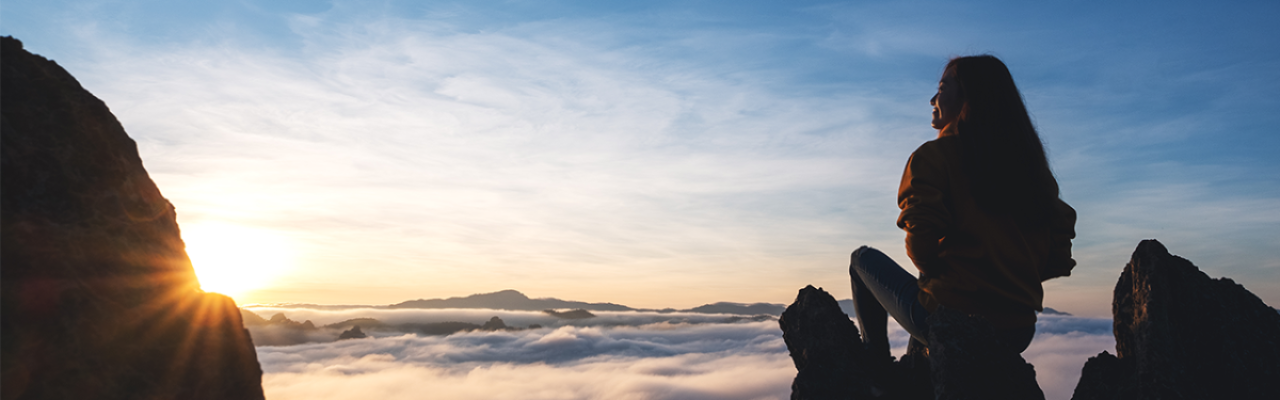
(661, 154)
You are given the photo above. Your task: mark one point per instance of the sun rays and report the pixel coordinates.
(233, 259)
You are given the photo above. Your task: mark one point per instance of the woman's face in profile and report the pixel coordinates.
(946, 104)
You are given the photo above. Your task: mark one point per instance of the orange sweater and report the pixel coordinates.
(969, 260)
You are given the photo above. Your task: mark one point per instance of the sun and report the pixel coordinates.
(233, 259)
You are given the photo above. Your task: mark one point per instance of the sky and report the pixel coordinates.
(658, 154)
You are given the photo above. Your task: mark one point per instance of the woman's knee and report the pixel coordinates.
(858, 259)
(854, 260)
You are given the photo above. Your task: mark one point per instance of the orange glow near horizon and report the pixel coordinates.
(233, 260)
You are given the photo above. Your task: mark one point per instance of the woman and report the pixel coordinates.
(983, 219)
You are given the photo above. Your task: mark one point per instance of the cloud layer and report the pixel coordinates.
(662, 361)
(629, 357)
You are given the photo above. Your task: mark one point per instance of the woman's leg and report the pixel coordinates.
(871, 316)
(880, 285)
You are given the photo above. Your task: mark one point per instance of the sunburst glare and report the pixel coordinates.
(233, 260)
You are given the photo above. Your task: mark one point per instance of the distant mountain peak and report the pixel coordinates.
(508, 294)
(508, 299)
(1050, 311)
(511, 299)
(501, 295)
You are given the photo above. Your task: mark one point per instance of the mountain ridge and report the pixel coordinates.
(511, 299)
(508, 299)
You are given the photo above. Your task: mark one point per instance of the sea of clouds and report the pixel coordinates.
(617, 355)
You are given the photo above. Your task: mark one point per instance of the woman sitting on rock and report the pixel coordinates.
(982, 215)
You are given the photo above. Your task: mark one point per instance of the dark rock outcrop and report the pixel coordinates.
(494, 324)
(353, 333)
(251, 319)
(280, 330)
(1104, 377)
(99, 298)
(909, 378)
(279, 319)
(962, 361)
(1181, 335)
(825, 347)
(571, 314)
(967, 362)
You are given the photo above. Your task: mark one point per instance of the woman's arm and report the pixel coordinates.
(925, 215)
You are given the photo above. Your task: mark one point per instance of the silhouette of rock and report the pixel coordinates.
(280, 320)
(1182, 335)
(1103, 377)
(99, 297)
(353, 333)
(494, 324)
(573, 314)
(961, 362)
(251, 319)
(967, 362)
(825, 347)
(282, 331)
(908, 378)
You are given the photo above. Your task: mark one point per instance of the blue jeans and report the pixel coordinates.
(880, 286)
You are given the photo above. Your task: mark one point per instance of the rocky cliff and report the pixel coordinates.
(962, 360)
(1181, 335)
(826, 349)
(99, 298)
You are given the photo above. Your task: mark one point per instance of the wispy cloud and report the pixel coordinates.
(669, 156)
(456, 156)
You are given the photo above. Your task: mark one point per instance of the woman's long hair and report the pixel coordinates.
(1004, 156)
